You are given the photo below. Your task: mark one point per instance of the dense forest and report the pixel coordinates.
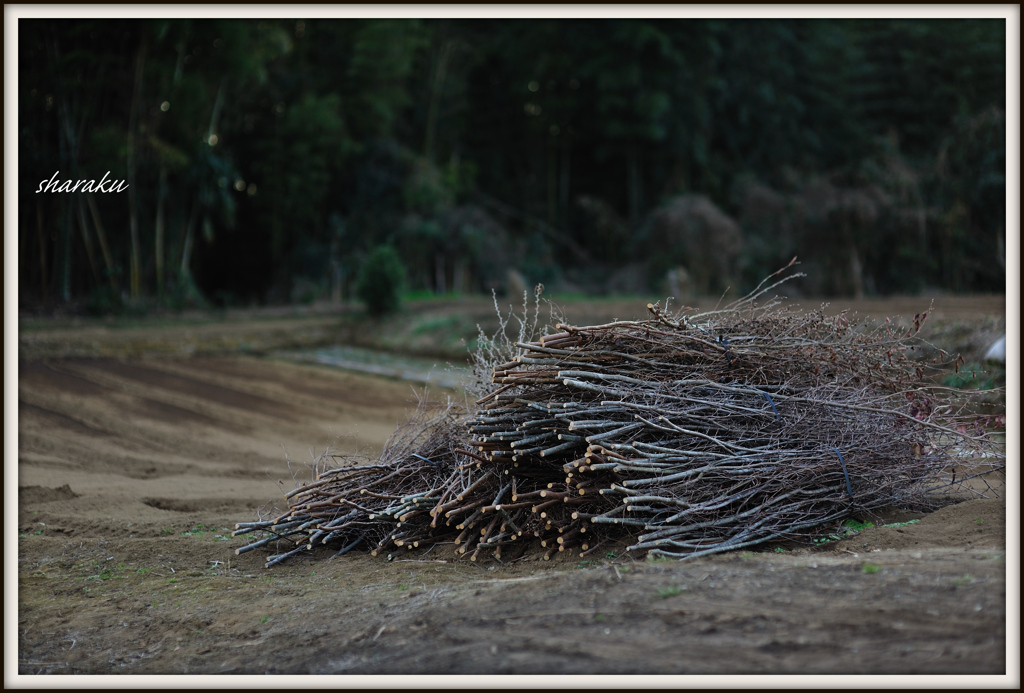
(266, 159)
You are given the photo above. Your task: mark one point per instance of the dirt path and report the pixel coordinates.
(131, 473)
(443, 327)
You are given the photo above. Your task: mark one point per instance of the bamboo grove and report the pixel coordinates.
(265, 158)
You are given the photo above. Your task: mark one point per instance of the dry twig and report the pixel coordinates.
(692, 433)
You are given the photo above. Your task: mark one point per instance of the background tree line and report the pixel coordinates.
(266, 159)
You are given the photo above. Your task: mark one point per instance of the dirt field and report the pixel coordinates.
(133, 471)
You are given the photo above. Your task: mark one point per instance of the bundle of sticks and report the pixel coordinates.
(686, 434)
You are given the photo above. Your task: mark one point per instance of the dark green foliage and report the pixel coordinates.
(479, 146)
(105, 300)
(183, 294)
(971, 376)
(381, 280)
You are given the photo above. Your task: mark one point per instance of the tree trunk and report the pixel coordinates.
(40, 226)
(439, 284)
(278, 246)
(101, 235)
(563, 188)
(68, 159)
(458, 275)
(552, 186)
(436, 86)
(64, 249)
(856, 272)
(71, 143)
(186, 250)
(634, 188)
(133, 216)
(337, 282)
(158, 236)
(217, 104)
(87, 240)
(65, 252)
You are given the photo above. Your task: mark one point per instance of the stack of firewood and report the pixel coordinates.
(685, 434)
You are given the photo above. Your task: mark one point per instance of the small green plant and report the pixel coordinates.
(779, 549)
(610, 554)
(108, 572)
(667, 592)
(849, 528)
(965, 580)
(599, 617)
(264, 619)
(380, 281)
(978, 521)
(870, 568)
(901, 524)
(971, 376)
(167, 530)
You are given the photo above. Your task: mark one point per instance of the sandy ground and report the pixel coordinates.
(133, 471)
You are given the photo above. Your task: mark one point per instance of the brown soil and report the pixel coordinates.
(132, 473)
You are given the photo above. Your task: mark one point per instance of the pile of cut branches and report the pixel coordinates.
(688, 434)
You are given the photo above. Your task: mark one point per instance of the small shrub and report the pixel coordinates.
(182, 293)
(901, 524)
(105, 300)
(853, 526)
(972, 376)
(380, 281)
